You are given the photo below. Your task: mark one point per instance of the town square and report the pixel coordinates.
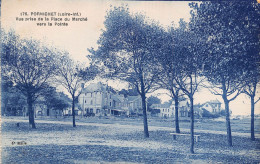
(130, 81)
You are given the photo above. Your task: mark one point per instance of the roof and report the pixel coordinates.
(132, 98)
(119, 97)
(183, 103)
(214, 101)
(114, 97)
(165, 105)
(97, 87)
(197, 108)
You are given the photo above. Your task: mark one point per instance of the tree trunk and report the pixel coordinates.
(177, 128)
(146, 132)
(252, 118)
(73, 112)
(191, 126)
(31, 111)
(229, 135)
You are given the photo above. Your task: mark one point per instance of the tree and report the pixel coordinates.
(188, 81)
(72, 76)
(129, 92)
(12, 100)
(250, 26)
(168, 60)
(250, 90)
(127, 50)
(186, 68)
(152, 100)
(29, 65)
(55, 100)
(223, 25)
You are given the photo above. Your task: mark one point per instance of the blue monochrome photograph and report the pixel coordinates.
(129, 82)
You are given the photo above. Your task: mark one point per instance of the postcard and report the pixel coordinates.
(113, 81)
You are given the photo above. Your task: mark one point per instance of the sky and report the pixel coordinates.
(78, 36)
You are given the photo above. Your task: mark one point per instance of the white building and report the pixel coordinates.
(166, 110)
(213, 106)
(100, 99)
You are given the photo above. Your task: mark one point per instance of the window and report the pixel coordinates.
(91, 102)
(110, 104)
(91, 94)
(168, 110)
(85, 101)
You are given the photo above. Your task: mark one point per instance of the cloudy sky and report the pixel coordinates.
(77, 37)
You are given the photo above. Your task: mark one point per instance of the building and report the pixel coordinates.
(134, 104)
(166, 109)
(184, 108)
(197, 111)
(213, 106)
(98, 99)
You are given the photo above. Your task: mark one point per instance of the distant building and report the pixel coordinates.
(166, 110)
(213, 106)
(98, 99)
(184, 108)
(197, 111)
(134, 104)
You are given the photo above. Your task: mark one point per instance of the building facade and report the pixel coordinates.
(98, 99)
(166, 110)
(213, 106)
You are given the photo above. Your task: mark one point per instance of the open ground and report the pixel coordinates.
(120, 140)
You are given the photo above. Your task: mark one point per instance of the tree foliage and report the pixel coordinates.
(127, 50)
(152, 100)
(55, 100)
(29, 65)
(12, 100)
(229, 30)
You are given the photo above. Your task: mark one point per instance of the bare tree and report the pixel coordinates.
(70, 76)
